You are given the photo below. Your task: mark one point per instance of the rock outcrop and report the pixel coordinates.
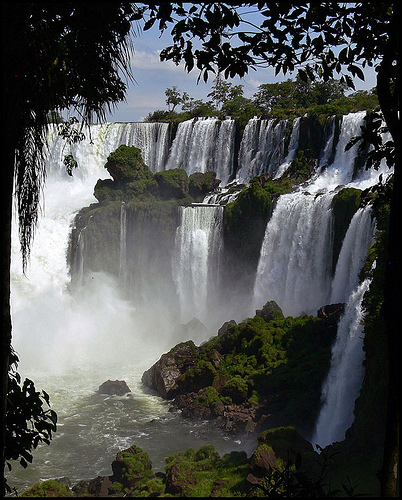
(114, 387)
(165, 374)
(270, 311)
(260, 373)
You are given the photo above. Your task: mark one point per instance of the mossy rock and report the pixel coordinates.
(131, 466)
(173, 183)
(236, 388)
(202, 473)
(283, 439)
(49, 488)
(202, 183)
(126, 165)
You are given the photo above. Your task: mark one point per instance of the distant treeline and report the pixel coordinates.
(286, 99)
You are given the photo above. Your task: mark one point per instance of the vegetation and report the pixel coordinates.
(55, 57)
(27, 422)
(276, 364)
(318, 41)
(41, 69)
(287, 99)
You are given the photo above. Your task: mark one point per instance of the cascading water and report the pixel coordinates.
(123, 244)
(196, 261)
(71, 339)
(345, 375)
(262, 148)
(297, 239)
(327, 151)
(204, 144)
(101, 140)
(358, 238)
(293, 145)
(294, 266)
(116, 327)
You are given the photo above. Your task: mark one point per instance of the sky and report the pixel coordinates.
(153, 77)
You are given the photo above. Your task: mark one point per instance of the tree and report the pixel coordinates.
(173, 97)
(316, 40)
(297, 94)
(55, 56)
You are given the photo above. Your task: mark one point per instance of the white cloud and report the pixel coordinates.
(151, 61)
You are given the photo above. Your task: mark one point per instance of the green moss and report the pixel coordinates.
(126, 165)
(49, 488)
(203, 473)
(301, 167)
(280, 364)
(172, 183)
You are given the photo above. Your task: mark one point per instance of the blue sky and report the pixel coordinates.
(153, 77)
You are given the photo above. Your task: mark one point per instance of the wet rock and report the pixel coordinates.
(333, 311)
(261, 462)
(225, 327)
(270, 311)
(131, 466)
(202, 183)
(164, 375)
(114, 387)
(178, 480)
(101, 486)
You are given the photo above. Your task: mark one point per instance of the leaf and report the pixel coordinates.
(46, 397)
(352, 142)
(148, 25)
(303, 75)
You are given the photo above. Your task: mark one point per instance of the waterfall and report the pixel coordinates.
(327, 151)
(294, 265)
(101, 140)
(262, 148)
(204, 144)
(358, 238)
(123, 244)
(346, 373)
(293, 145)
(117, 325)
(224, 156)
(196, 261)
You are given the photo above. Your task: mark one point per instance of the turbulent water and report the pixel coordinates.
(72, 340)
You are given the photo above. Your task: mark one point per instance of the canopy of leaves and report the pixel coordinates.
(55, 56)
(27, 421)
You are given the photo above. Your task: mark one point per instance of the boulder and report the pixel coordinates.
(131, 466)
(172, 183)
(333, 311)
(261, 462)
(225, 327)
(164, 375)
(270, 311)
(202, 183)
(178, 480)
(126, 165)
(114, 387)
(100, 486)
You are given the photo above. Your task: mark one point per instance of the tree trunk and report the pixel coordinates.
(389, 102)
(6, 212)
